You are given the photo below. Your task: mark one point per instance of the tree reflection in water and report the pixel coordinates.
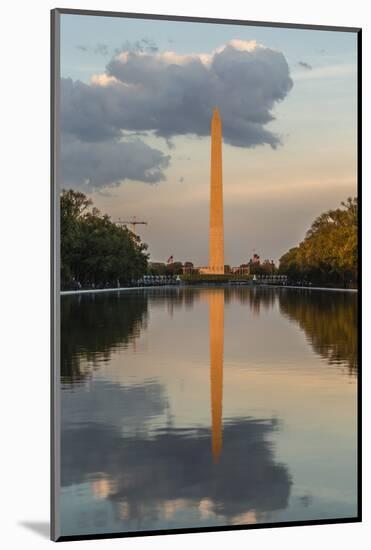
(94, 325)
(329, 320)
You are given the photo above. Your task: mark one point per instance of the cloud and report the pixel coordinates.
(91, 166)
(101, 49)
(139, 46)
(170, 94)
(327, 72)
(148, 471)
(142, 45)
(145, 91)
(305, 65)
(127, 408)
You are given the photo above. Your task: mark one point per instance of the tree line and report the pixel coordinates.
(329, 253)
(96, 252)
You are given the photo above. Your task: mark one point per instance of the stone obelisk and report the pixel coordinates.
(216, 251)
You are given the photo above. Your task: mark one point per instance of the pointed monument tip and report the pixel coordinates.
(216, 113)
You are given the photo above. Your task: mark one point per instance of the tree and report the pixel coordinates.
(94, 250)
(73, 206)
(261, 268)
(157, 268)
(329, 252)
(175, 268)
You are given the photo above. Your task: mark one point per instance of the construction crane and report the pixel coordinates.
(133, 223)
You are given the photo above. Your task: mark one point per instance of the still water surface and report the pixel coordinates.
(188, 407)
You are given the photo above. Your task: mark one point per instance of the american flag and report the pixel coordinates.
(170, 260)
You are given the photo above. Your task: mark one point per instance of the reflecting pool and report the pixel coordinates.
(197, 407)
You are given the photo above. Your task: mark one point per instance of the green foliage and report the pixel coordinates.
(329, 253)
(159, 268)
(175, 268)
(94, 250)
(265, 268)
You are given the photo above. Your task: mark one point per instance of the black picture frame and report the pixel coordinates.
(55, 276)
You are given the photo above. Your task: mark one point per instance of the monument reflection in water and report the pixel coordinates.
(216, 322)
(176, 413)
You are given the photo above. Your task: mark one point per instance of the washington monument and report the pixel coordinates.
(216, 243)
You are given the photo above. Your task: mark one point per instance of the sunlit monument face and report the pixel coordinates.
(216, 253)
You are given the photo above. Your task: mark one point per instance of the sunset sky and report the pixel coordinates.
(136, 103)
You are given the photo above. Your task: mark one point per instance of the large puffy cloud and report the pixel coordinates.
(173, 94)
(144, 90)
(91, 166)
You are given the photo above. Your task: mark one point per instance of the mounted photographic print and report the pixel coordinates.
(205, 274)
